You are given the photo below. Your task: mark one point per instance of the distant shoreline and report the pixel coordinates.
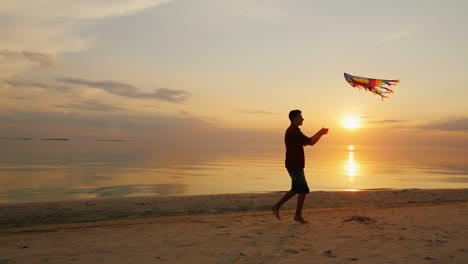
(17, 138)
(26, 138)
(61, 139)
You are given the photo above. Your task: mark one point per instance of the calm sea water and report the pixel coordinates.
(37, 170)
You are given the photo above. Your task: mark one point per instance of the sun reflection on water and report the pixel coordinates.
(351, 166)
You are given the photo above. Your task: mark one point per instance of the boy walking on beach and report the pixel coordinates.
(295, 141)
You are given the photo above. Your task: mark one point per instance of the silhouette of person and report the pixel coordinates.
(295, 141)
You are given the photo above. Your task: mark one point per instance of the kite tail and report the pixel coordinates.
(382, 95)
(391, 82)
(387, 90)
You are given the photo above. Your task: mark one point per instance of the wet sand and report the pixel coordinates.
(404, 226)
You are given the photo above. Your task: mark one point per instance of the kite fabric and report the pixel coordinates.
(377, 86)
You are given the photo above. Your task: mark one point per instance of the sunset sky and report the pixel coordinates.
(230, 71)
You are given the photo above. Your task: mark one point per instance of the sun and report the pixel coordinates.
(351, 122)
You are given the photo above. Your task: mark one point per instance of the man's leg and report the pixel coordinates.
(300, 204)
(278, 205)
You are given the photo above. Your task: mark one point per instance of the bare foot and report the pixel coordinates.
(300, 220)
(276, 212)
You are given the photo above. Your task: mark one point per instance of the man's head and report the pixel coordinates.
(296, 117)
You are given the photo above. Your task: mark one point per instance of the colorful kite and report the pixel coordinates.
(377, 86)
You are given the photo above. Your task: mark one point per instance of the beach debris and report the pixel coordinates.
(361, 219)
(328, 253)
(380, 87)
(290, 251)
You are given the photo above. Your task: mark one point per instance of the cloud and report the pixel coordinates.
(43, 59)
(452, 124)
(374, 120)
(387, 121)
(87, 9)
(34, 32)
(130, 91)
(90, 105)
(13, 62)
(27, 83)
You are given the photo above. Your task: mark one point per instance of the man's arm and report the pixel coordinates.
(315, 138)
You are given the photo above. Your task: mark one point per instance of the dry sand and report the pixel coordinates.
(406, 226)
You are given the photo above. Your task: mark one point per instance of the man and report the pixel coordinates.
(295, 141)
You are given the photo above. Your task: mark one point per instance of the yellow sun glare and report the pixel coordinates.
(351, 122)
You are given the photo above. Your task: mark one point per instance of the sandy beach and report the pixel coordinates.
(382, 226)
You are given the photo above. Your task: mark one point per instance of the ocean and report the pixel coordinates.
(57, 170)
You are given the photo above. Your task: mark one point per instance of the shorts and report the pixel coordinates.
(298, 181)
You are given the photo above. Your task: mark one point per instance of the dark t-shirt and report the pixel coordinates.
(294, 141)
